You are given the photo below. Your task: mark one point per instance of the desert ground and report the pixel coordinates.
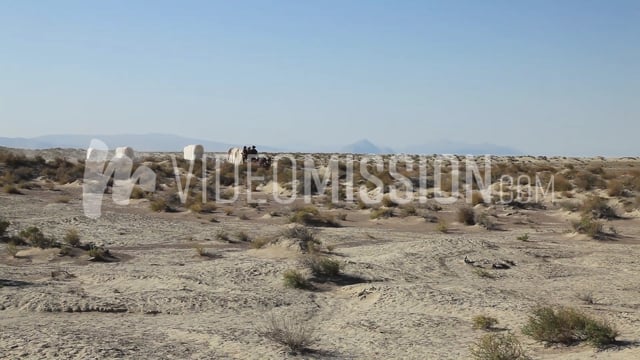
(158, 279)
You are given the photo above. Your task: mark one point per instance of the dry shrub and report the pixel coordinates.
(442, 226)
(568, 326)
(466, 215)
(35, 237)
(260, 242)
(291, 332)
(483, 322)
(72, 238)
(12, 189)
(590, 226)
(381, 213)
(323, 266)
(498, 347)
(295, 279)
(310, 215)
(4, 224)
(598, 208)
(615, 188)
(561, 183)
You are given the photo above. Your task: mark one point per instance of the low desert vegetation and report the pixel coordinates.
(381, 213)
(12, 189)
(72, 238)
(442, 226)
(290, 332)
(565, 325)
(322, 266)
(589, 226)
(523, 237)
(484, 322)
(484, 273)
(598, 208)
(295, 279)
(305, 236)
(586, 297)
(310, 215)
(243, 236)
(260, 242)
(4, 225)
(12, 249)
(34, 237)
(497, 346)
(466, 215)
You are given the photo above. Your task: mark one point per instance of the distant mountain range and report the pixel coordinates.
(175, 143)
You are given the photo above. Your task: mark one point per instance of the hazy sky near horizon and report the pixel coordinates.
(546, 77)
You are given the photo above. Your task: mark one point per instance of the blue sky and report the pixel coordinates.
(546, 77)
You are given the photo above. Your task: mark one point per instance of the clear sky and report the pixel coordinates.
(546, 77)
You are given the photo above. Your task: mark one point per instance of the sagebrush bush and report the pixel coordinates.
(483, 322)
(563, 325)
(35, 237)
(590, 226)
(290, 332)
(310, 215)
(72, 238)
(295, 279)
(159, 204)
(466, 215)
(323, 266)
(383, 213)
(599, 208)
(4, 224)
(498, 347)
(442, 226)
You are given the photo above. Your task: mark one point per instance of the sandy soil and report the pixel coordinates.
(408, 293)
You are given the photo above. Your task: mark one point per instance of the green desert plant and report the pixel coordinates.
(323, 266)
(496, 346)
(72, 238)
(564, 325)
(587, 225)
(383, 213)
(295, 279)
(483, 322)
(35, 237)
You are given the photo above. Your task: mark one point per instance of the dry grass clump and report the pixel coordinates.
(476, 198)
(305, 236)
(379, 213)
(243, 236)
(201, 251)
(590, 226)
(4, 224)
(291, 332)
(442, 226)
(483, 322)
(72, 238)
(34, 237)
(388, 202)
(222, 235)
(159, 204)
(598, 208)
(466, 215)
(323, 266)
(409, 210)
(98, 253)
(260, 242)
(310, 215)
(295, 279)
(561, 183)
(483, 273)
(498, 347)
(586, 297)
(12, 189)
(615, 188)
(568, 326)
(588, 181)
